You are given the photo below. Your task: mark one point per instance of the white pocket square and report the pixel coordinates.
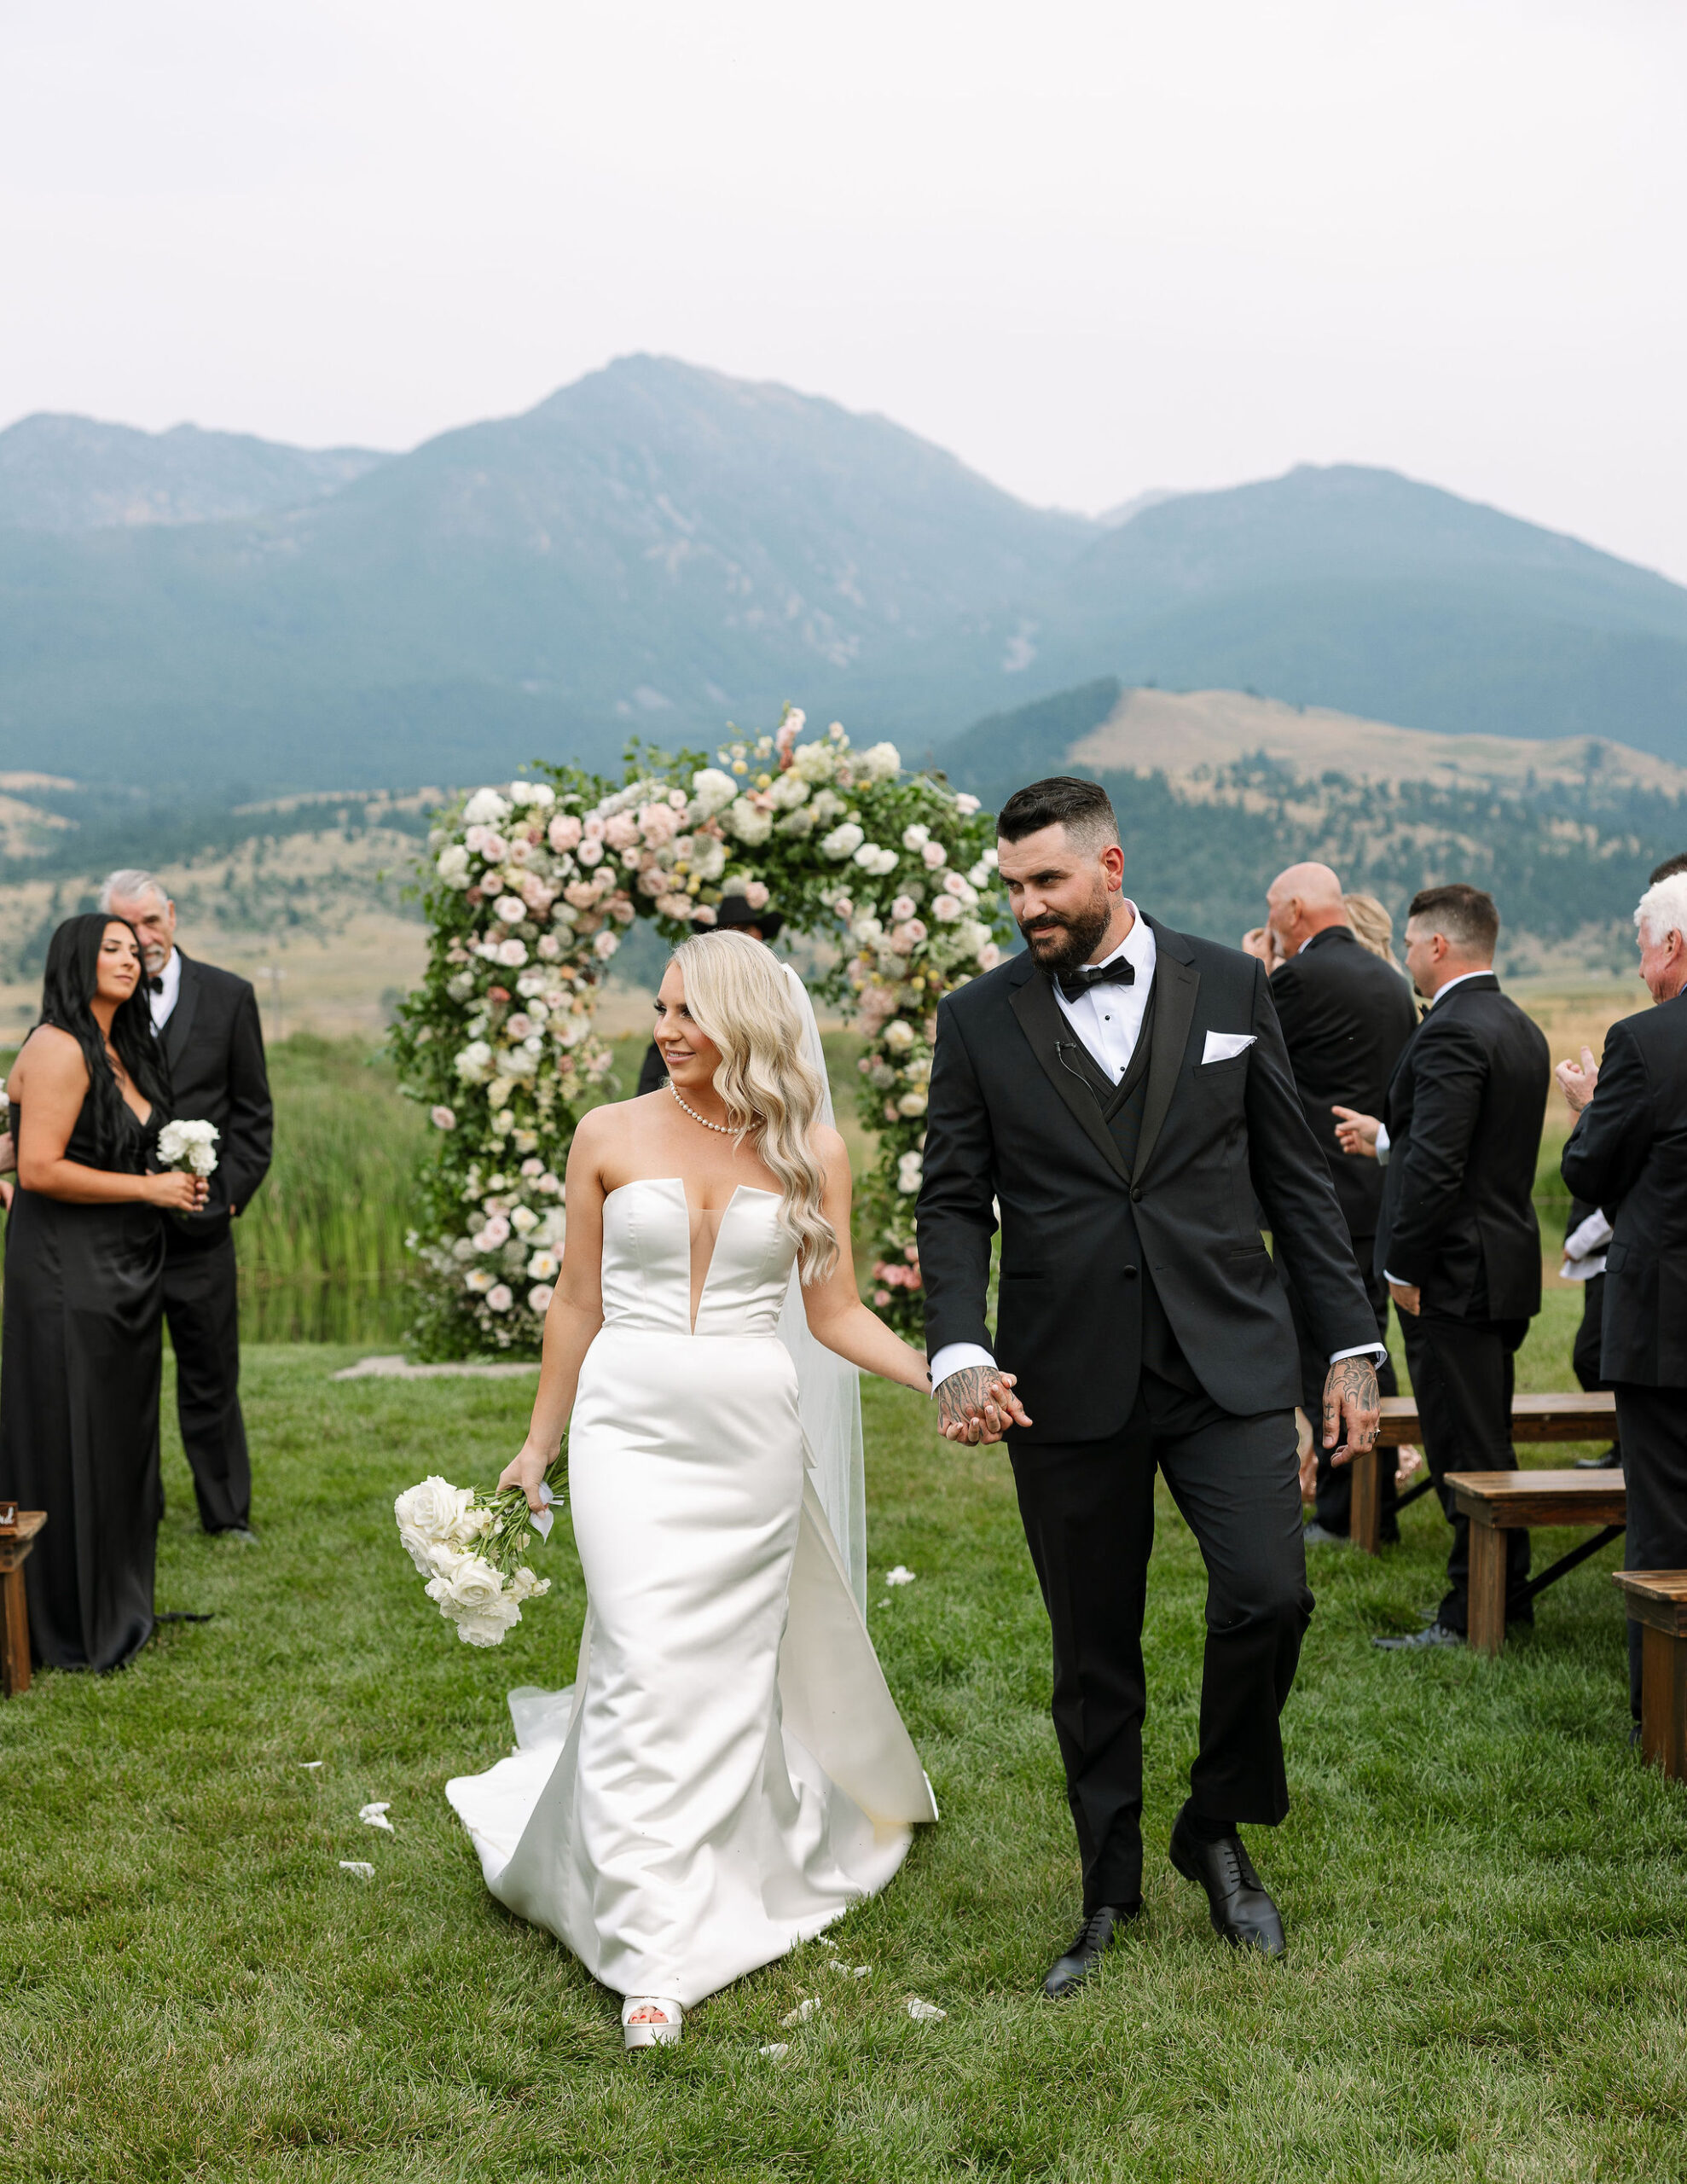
(1224, 1046)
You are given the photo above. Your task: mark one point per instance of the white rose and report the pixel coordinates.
(842, 841)
(452, 863)
(590, 852)
(882, 762)
(899, 1036)
(499, 1297)
(430, 1515)
(477, 1281)
(520, 1065)
(511, 954)
(485, 808)
(474, 1063)
(604, 945)
(945, 910)
(538, 792)
(814, 762)
(510, 909)
(868, 854)
(915, 837)
(789, 791)
(542, 1266)
(911, 1103)
(539, 1297)
(523, 1220)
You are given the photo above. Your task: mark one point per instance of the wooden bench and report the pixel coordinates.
(1657, 1600)
(1533, 1418)
(16, 1539)
(1501, 1502)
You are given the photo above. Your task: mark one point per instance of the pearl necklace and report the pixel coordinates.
(725, 1129)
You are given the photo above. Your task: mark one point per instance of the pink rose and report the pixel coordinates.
(536, 894)
(499, 1297)
(548, 946)
(582, 893)
(945, 910)
(590, 852)
(622, 831)
(934, 855)
(881, 1298)
(442, 1118)
(757, 895)
(565, 832)
(903, 907)
(704, 914)
(906, 937)
(519, 1024)
(658, 823)
(594, 827)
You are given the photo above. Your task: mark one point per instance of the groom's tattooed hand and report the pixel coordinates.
(1351, 1399)
(977, 1403)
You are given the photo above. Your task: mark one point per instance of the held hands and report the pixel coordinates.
(1351, 1400)
(1356, 1133)
(1577, 1080)
(527, 1471)
(178, 1191)
(977, 1403)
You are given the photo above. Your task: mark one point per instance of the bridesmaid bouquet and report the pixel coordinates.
(472, 1549)
(190, 1146)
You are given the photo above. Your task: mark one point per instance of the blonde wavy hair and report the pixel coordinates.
(1372, 927)
(738, 996)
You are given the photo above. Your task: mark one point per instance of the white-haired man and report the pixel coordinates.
(1628, 1153)
(206, 1021)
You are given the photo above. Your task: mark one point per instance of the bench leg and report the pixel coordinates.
(14, 1635)
(1488, 1588)
(1366, 1520)
(1663, 1701)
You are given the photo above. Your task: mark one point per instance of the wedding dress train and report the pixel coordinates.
(728, 1772)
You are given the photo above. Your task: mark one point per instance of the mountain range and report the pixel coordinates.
(658, 548)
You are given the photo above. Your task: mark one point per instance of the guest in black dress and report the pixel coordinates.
(80, 1350)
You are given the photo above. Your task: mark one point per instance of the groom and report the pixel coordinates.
(1121, 1093)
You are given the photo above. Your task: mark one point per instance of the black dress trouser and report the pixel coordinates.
(201, 1310)
(1652, 1425)
(1088, 1512)
(1462, 1374)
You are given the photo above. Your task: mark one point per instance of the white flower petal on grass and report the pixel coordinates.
(899, 1575)
(776, 2049)
(802, 2013)
(310, 1763)
(360, 1867)
(924, 2013)
(849, 1971)
(375, 1815)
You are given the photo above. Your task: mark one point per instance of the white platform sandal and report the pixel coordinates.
(660, 2030)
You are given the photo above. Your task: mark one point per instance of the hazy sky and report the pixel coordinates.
(1093, 246)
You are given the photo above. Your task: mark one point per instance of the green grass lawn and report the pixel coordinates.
(1484, 1888)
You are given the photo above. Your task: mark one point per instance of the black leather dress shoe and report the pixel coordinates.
(1242, 1912)
(1096, 1933)
(1611, 1460)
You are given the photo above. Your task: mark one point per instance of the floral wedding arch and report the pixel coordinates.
(530, 887)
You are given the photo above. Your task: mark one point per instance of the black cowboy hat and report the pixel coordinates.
(734, 910)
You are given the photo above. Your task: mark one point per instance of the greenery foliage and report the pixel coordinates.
(1483, 1885)
(532, 885)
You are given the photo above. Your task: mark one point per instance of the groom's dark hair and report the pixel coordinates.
(1084, 808)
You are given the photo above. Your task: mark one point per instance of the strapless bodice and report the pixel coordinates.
(646, 1262)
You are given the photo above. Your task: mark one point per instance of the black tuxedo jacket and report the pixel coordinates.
(213, 1044)
(1011, 1121)
(1345, 1014)
(1628, 1154)
(1464, 1111)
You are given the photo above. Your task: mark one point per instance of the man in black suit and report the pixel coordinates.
(1120, 1092)
(1459, 1244)
(208, 1022)
(1627, 1153)
(1345, 1014)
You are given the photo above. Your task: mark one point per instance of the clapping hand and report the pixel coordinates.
(1577, 1080)
(977, 1403)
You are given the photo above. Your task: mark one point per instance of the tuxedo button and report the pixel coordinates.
(1128, 1272)
(1136, 1192)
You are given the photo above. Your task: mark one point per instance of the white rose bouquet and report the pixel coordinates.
(472, 1549)
(190, 1146)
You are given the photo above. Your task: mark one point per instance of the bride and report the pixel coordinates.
(729, 1771)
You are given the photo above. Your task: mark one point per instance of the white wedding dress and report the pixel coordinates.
(728, 1771)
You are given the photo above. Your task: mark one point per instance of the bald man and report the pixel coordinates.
(1345, 1014)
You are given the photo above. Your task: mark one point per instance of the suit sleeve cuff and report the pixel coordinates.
(955, 1357)
(1383, 1142)
(1376, 1350)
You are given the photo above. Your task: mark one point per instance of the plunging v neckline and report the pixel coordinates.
(678, 1183)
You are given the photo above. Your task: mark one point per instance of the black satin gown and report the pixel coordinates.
(80, 1360)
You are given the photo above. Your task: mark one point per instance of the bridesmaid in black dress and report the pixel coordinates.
(80, 1351)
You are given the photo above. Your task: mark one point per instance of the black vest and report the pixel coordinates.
(1121, 1108)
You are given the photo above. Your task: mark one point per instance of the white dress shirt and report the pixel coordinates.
(171, 979)
(1108, 1019)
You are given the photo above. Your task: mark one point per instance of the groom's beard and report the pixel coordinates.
(1060, 942)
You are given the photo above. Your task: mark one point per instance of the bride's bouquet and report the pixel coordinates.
(472, 1549)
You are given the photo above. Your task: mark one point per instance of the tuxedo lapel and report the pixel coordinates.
(1176, 982)
(1047, 1031)
(174, 1036)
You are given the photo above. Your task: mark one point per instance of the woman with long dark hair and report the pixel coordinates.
(80, 1353)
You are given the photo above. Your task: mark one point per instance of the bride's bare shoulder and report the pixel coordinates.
(828, 1147)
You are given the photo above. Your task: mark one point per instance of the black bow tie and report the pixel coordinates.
(157, 985)
(1121, 971)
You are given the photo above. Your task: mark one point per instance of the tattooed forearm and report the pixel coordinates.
(1351, 1400)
